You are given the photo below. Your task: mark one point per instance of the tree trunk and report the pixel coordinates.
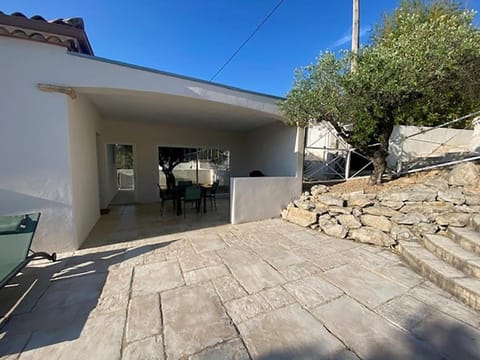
(170, 178)
(379, 162)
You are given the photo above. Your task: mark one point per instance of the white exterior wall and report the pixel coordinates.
(258, 198)
(271, 149)
(83, 124)
(146, 138)
(34, 158)
(38, 162)
(436, 142)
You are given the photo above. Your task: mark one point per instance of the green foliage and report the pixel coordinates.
(422, 68)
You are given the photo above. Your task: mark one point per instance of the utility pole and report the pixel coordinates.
(355, 31)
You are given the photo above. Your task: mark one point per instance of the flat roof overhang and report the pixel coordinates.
(162, 108)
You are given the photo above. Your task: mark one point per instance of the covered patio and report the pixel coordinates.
(131, 222)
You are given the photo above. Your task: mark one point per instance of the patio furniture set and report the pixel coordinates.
(187, 192)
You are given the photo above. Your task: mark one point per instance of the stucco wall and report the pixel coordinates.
(83, 125)
(271, 149)
(34, 158)
(436, 142)
(37, 160)
(261, 197)
(147, 137)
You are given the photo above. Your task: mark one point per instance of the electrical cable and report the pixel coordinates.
(247, 40)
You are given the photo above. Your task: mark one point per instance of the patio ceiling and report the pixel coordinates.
(159, 108)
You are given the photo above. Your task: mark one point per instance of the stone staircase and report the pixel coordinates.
(451, 260)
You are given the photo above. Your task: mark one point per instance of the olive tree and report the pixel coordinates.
(421, 68)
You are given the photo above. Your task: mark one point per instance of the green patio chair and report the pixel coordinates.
(16, 234)
(193, 194)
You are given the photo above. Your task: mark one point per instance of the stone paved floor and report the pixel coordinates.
(263, 290)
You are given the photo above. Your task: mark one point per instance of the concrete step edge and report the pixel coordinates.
(454, 286)
(467, 238)
(452, 253)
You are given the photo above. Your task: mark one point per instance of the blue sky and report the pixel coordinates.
(195, 37)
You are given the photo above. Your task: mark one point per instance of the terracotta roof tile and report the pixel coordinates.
(69, 33)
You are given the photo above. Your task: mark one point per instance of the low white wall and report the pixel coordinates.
(258, 198)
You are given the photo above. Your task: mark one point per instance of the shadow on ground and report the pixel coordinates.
(434, 338)
(49, 304)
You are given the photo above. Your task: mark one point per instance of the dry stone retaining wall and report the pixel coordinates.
(386, 217)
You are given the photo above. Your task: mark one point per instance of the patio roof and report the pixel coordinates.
(162, 108)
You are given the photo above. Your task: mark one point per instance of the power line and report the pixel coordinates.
(248, 39)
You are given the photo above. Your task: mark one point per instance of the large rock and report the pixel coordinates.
(331, 200)
(304, 204)
(318, 189)
(380, 210)
(416, 193)
(320, 208)
(359, 199)
(334, 210)
(349, 221)
(424, 228)
(377, 222)
(428, 208)
(472, 200)
(464, 175)
(454, 196)
(409, 219)
(395, 205)
(369, 235)
(332, 228)
(401, 233)
(436, 183)
(300, 217)
(453, 219)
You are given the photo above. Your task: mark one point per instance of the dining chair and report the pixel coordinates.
(193, 194)
(165, 195)
(212, 193)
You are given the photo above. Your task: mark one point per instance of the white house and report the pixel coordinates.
(60, 106)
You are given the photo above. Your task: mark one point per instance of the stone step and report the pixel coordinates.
(451, 252)
(475, 222)
(449, 278)
(467, 238)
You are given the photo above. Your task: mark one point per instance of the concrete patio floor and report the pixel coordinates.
(263, 290)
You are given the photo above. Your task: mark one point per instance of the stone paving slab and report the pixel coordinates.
(208, 242)
(147, 349)
(265, 290)
(290, 333)
(313, 291)
(231, 350)
(205, 274)
(144, 318)
(247, 307)
(364, 285)
(369, 335)
(251, 271)
(153, 278)
(194, 319)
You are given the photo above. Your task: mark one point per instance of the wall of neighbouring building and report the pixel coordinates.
(435, 143)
